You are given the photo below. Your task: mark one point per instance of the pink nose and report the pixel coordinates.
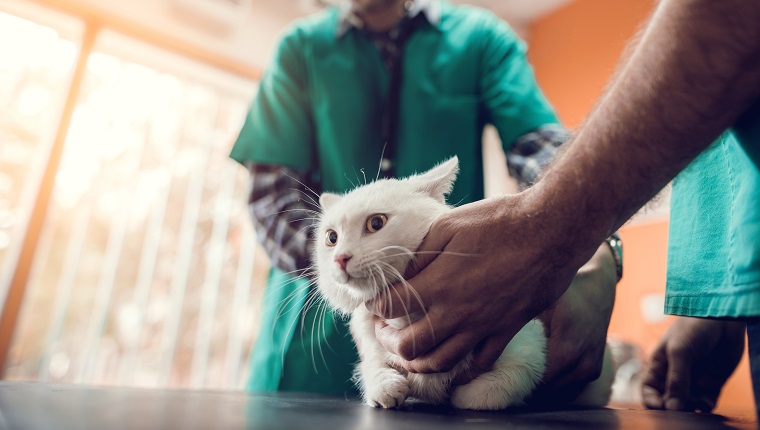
(342, 260)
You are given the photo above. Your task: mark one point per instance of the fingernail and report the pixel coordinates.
(675, 405)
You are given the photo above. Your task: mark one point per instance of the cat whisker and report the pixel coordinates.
(305, 186)
(460, 201)
(300, 272)
(310, 201)
(375, 287)
(289, 300)
(292, 324)
(380, 164)
(412, 253)
(303, 229)
(307, 273)
(276, 288)
(323, 316)
(413, 292)
(397, 275)
(349, 180)
(408, 318)
(313, 323)
(304, 219)
(403, 303)
(381, 272)
(285, 305)
(310, 303)
(404, 250)
(456, 254)
(381, 289)
(316, 214)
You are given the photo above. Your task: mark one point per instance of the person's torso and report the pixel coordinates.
(439, 113)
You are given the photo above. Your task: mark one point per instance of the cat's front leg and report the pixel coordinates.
(382, 385)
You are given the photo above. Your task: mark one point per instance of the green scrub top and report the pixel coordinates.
(714, 237)
(319, 108)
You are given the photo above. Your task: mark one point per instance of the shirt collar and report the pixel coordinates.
(347, 19)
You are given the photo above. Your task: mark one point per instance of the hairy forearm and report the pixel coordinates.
(694, 71)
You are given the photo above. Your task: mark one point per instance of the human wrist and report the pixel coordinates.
(566, 225)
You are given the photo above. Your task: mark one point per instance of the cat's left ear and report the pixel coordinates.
(438, 181)
(327, 200)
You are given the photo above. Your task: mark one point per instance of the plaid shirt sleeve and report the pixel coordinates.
(284, 208)
(531, 152)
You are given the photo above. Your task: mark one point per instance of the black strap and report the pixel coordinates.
(392, 112)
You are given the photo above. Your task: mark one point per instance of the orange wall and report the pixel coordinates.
(574, 52)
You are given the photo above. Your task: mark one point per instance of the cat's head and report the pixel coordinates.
(367, 237)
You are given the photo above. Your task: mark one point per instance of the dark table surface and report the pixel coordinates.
(28, 405)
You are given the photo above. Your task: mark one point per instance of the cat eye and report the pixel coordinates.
(376, 222)
(331, 238)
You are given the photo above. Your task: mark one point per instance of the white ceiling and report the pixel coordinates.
(519, 12)
(271, 16)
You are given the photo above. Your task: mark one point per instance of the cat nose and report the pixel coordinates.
(342, 260)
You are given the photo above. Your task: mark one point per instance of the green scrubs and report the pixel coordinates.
(714, 238)
(319, 108)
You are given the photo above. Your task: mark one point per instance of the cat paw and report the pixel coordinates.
(390, 391)
(482, 394)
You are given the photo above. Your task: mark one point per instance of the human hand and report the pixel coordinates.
(691, 363)
(576, 329)
(493, 269)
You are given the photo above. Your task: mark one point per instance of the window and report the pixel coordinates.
(146, 272)
(33, 79)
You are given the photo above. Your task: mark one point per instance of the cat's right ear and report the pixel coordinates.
(438, 181)
(327, 200)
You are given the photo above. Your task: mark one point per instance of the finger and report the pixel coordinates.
(557, 375)
(652, 383)
(398, 300)
(421, 274)
(678, 382)
(407, 343)
(483, 359)
(703, 404)
(445, 356)
(408, 297)
(652, 397)
(431, 247)
(560, 356)
(705, 392)
(415, 339)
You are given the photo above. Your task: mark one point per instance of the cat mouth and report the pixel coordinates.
(349, 279)
(343, 277)
(359, 283)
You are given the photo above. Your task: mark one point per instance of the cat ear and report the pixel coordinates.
(327, 200)
(438, 181)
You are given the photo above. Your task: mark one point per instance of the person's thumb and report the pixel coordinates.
(678, 381)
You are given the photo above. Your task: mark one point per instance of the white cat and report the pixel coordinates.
(364, 242)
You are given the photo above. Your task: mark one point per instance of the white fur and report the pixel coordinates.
(379, 259)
